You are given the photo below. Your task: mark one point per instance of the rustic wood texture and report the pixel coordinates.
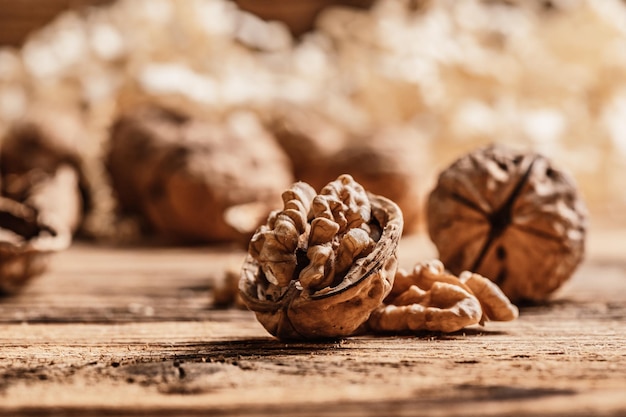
(131, 331)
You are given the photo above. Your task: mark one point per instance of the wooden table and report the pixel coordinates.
(131, 331)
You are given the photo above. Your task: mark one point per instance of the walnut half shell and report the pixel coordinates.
(319, 267)
(26, 244)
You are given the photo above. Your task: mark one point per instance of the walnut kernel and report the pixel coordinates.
(428, 298)
(319, 267)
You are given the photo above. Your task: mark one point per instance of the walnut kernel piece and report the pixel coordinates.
(428, 298)
(226, 292)
(509, 216)
(319, 267)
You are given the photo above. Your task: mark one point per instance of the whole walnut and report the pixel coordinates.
(385, 163)
(310, 139)
(510, 216)
(42, 165)
(196, 180)
(388, 164)
(44, 193)
(318, 268)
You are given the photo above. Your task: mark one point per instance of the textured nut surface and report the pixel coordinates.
(428, 298)
(196, 180)
(511, 217)
(319, 267)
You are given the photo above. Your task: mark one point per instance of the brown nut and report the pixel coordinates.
(42, 166)
(226, 292)
(428, 298)
(25, 244)
(384, 163)
(319, 267)
(509, 216)
(309, 139)
(44, 193)
(194, 180)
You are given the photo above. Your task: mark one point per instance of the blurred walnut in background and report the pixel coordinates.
(44, 193)
(195, 180)
(43, 150)
(550, 76)
(389, 162)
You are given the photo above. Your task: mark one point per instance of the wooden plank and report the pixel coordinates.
(132, 332)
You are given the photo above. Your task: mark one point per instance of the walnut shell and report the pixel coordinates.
(384, 162)
(44, 193)
(317, 273)
(25, 244)
(195, 180)
(42, 166)
(511, 217)
(310, 140)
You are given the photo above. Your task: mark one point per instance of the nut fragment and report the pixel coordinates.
(226, 292)
(319, 267)
(509, 216)
(428, 298)
(25, 245)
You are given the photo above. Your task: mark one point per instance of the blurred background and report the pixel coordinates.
(388, 89)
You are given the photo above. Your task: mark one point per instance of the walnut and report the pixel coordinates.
(319, 267)
(226, 291)
(42, 166)
(310, 139)
(428, 298)
(509, 216)
(26, 244)
(384, 163)
(44, 194)
(195, 180)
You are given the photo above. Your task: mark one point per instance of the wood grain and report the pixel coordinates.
(131, 331)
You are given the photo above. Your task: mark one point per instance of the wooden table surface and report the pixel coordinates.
(132, 331)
